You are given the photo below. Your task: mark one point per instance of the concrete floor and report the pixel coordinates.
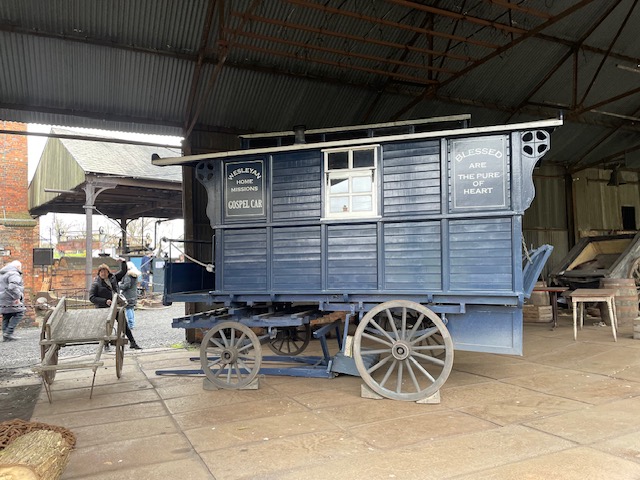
(566, 410)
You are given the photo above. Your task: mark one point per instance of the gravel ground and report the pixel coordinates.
(153, 330)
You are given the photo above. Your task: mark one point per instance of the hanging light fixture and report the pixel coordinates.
(616, 177)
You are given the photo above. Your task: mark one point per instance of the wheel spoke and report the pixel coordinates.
(244, 365)
(380, 351)
(427, 334)
(378, 339)
(430, 347)
(238, 342)
(238, 372)
(399, 378)
(416, 326)
(392, 322)
(422, 369)
(435, 361)
(413, 377)
(225, 340)
(216, 343)
(403, 331)
(382, 330)
(389, 371)
(382, 362)
(214, 363)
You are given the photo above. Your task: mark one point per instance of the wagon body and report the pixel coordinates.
(344, 224)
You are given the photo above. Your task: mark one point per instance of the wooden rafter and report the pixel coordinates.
(355, 38)
(388, 23)
(570, 52)
(224, 45)
(518, 7)
(458, 16)
(204, 41)
(342, 65)
(604, 57)
(430, 91)
(344, 53)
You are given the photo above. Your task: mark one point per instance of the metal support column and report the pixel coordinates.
(91, 190)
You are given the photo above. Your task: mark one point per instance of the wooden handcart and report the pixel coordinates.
(66, 327)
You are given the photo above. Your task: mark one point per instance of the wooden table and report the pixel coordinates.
(553, 299)
(585, 295)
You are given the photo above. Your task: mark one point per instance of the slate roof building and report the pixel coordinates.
(107, 177)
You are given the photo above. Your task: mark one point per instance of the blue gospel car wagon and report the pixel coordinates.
(412, 229)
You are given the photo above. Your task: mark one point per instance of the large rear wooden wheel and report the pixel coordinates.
(230, 355)
(48, 375)
(403, 351)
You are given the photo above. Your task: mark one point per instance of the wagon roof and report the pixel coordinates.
(458, 132)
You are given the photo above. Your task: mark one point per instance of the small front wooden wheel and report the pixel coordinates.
(120, 342)
(403, 351)
(230, 355)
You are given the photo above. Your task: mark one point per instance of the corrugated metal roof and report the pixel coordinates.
(132, 65)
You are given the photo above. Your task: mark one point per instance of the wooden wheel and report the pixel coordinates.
(291, 340)
(50, 375)
(120, 342)
(230, 355)
(412, 360)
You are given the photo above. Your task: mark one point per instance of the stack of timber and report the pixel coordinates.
(538, 307)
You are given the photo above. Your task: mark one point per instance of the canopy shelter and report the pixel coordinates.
(117, 180)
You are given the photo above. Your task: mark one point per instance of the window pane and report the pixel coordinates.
(362, 203)
(339, 204)
(339, 185)
(362, 158)
(362, 184)
(338, 160)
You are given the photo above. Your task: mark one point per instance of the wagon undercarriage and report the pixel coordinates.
(401, 349)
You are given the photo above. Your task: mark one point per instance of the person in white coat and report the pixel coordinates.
(11, 298)
(129, 288)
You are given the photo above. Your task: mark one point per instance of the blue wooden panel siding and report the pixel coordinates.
(245, 260)
(296, 260)
(352, 257)
(296, 185)
(411, 178)
(412, 256)
(481, 256)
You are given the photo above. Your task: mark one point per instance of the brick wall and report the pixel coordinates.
(19, 232)
(67, 276)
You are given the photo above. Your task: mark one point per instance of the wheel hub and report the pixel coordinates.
(229, 355)
(401, 350)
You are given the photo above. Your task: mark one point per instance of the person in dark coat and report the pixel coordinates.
(102, 290)
(11, 298)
